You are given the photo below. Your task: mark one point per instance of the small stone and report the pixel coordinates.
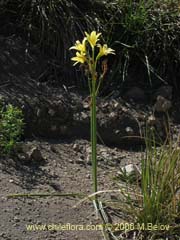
(118, 160)
(23, 157)
(75, 147)
(80, 161)
(117, 132)
(16, 219)
(88, 176)
(84, 115)
(35, 154)
(129, 170)
(105, 105)
(38, 113)
(2, 234)
(151, 120)
(51, 112)
(53, 149)
(11, 180)
(129, 131)
(89, 162)
(162, 104)
(116, 105)
(85, 105)
(113, 115)
(55, 186)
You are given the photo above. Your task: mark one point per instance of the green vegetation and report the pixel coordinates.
(11, 128)
(160, 183)
(155, 199)
(145, 35)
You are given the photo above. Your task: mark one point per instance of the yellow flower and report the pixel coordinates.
(104, 50)
(80, 58)
(92, 38)
(80, 46)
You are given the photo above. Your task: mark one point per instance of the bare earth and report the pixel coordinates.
(66, 169)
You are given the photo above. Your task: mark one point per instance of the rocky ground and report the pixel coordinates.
(64, 167)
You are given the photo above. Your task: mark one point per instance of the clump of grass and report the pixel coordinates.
(11, 128)
(160, 183)
(156, 198)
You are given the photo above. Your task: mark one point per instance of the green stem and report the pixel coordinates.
(93, 124)
(45, 195)
(93, 133)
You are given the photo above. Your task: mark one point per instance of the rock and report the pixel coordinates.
(113, 115)
(88, 161)
(88, 176)
(3, 234)
(16, 219)
(75, 147)
(151, 121)
(51, 112)
(116, 104)
(129, 131)
(86, 105)
(117, 131)
(113, 127)
(136, 94)
(130, 169)
(53, 149)
(23, 156)
(35, 154)
(162, 104)
(111, 157)
(129, 172)
(55, 186)
(80, 161)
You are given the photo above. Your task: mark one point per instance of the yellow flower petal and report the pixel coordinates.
(80, 58)
(104, 50)
(93, 38)
(80, 46)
